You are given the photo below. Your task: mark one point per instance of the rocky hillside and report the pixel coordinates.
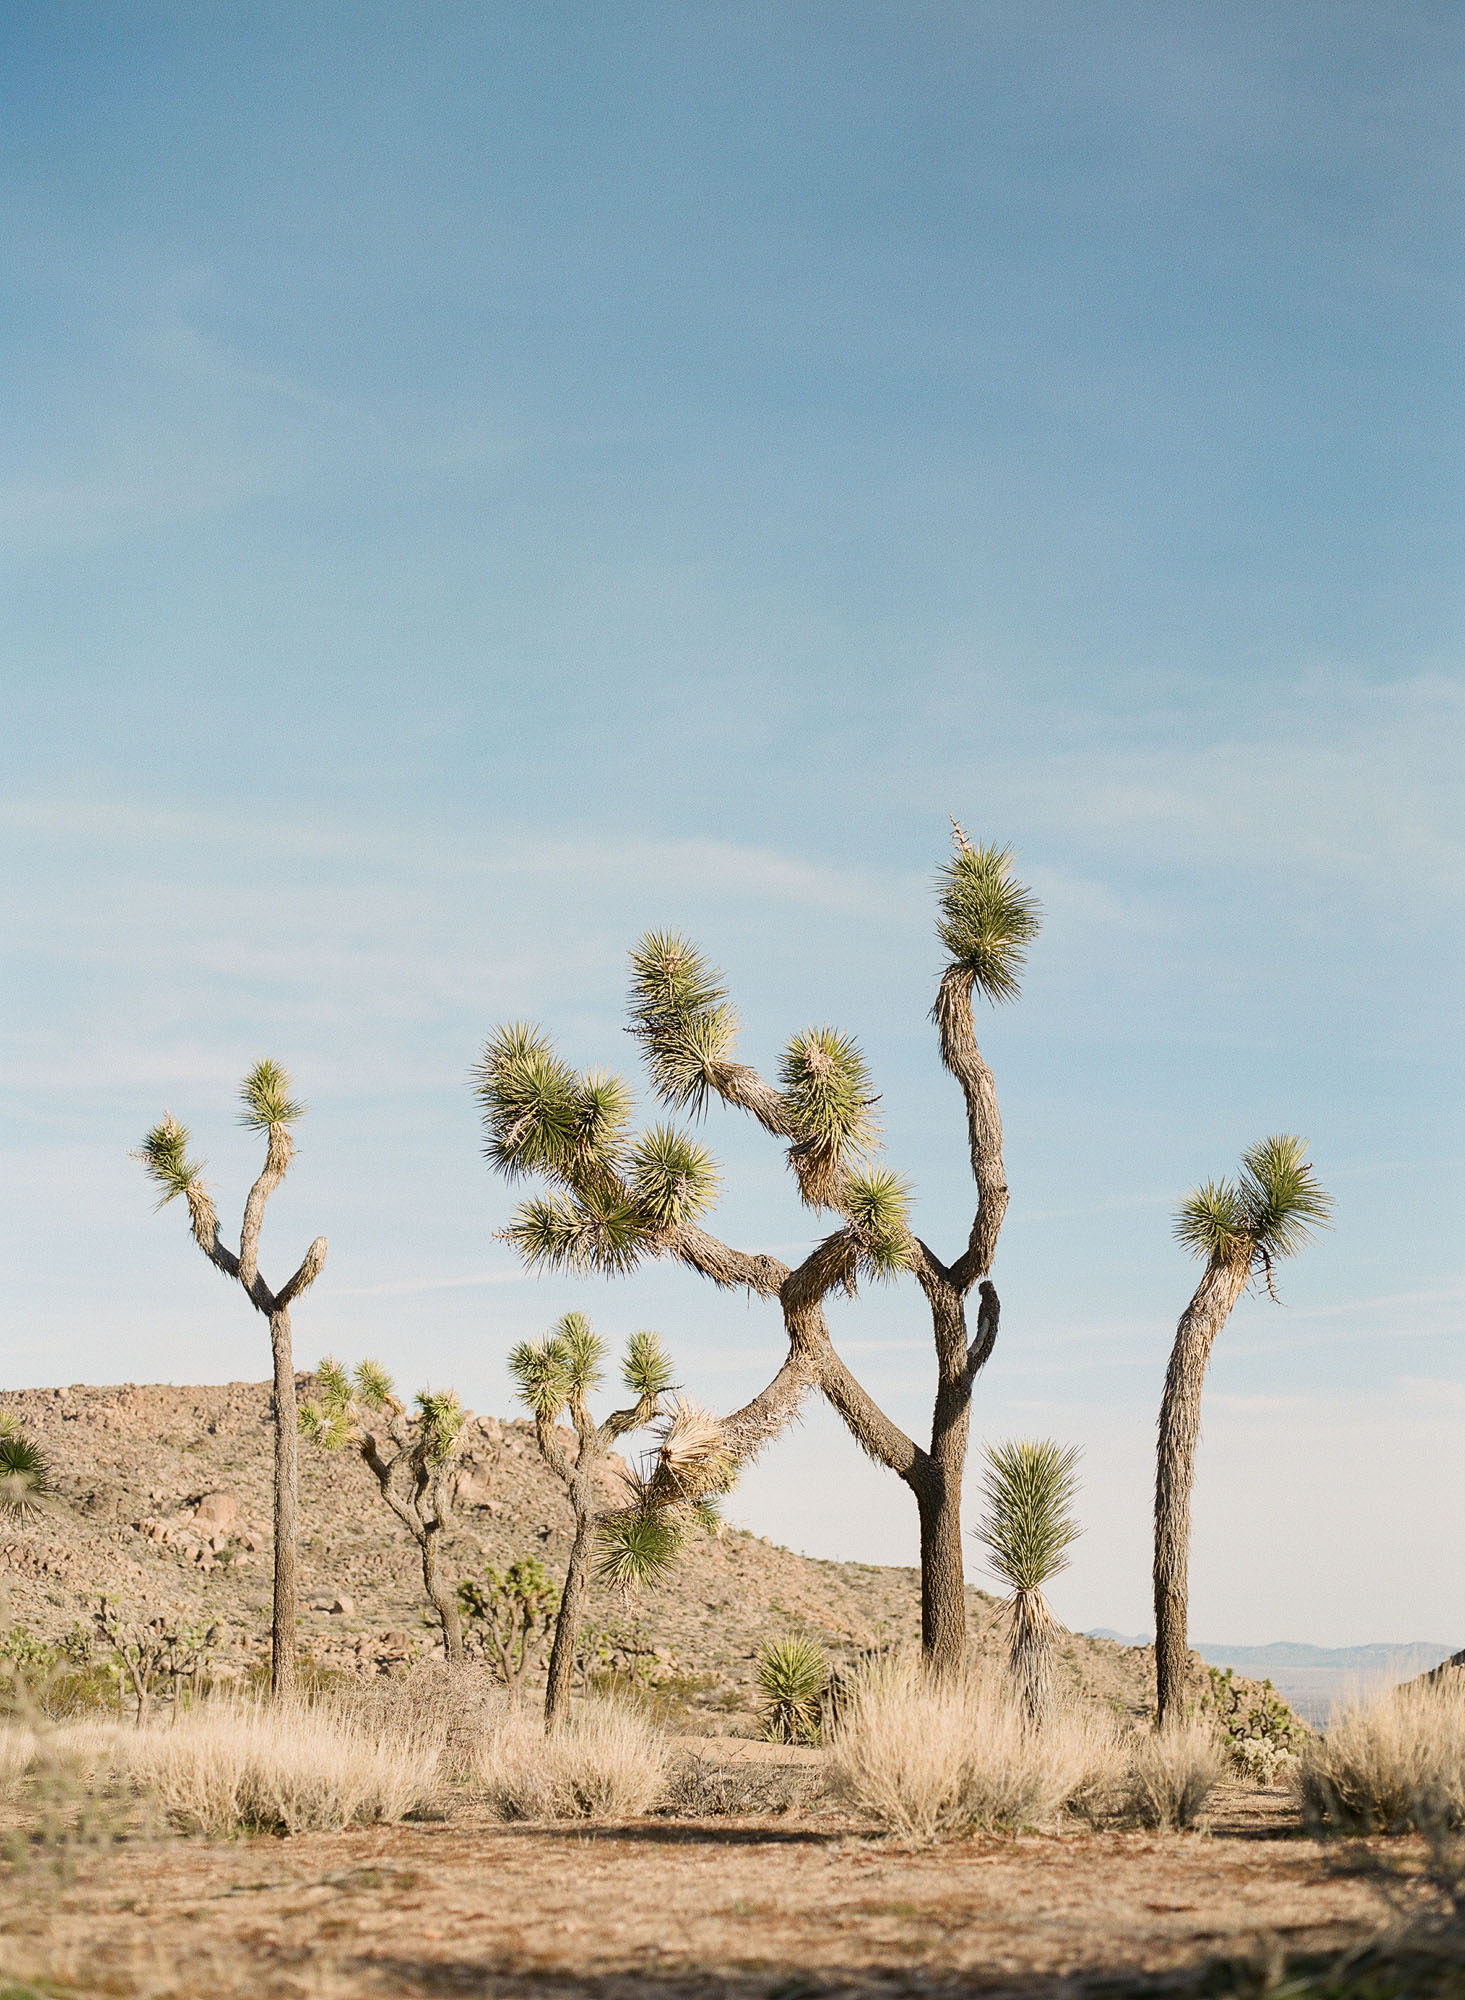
(165, 1507)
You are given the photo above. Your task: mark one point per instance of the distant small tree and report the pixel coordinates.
(641, 1536)
(511, 1614)
(270, 1109)
(1241, 1228)
(615, 1197)
(410, 1455)
(1029, 1487)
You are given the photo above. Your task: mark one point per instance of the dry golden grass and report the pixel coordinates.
(608, 1762)
(930, 1761)
(1391, 1765)
(1172, 1773)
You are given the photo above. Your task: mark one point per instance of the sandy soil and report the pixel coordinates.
(670, 1910)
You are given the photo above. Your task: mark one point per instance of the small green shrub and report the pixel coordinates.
(793, 1677)
(509, 1616)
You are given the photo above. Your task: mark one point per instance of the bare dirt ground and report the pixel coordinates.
(673, 1910)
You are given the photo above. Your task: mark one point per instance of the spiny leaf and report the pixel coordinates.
(539, 1373)
(681, 1015)
(441, 1417)
(672, 1178)
(647, 1372)
(877, 1203)
(164, 1157)
(827, 1083)
(593, 1233)
(533, 1106)
(1284, 1204)
(335, 1384)
(265, 1095)
(580, 1351)
(323, 1425)
(1029, 1487)
(1213, 1223)
(25, 1473)
(988, 918)
(374, 1386)
(639, 1545)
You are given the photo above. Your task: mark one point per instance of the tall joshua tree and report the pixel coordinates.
(1241, 1228)
(614, 1197)
(411, 1457)
(270, 1109)
(641, 1536)
(1029, 1487)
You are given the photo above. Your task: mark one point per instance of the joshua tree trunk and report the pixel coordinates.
(1030, 1654)
(283, 1678)
(442, 1599)
(568, 1623)
(943, 1578)
(1202, 1320)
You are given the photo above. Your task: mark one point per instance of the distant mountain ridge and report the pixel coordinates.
(1414, 1656)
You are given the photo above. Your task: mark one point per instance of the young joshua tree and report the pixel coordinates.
(1241, 1228)
(640, 1537)
(615, 1197)
(270, 1109)
(411, 1457)
(1029, 1487)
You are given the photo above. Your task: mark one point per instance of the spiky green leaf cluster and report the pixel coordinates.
(541, 1116)
(826, 1083)
(374, 1386)
(563, 1367)
(792, 1675)
(25, 1471)
(682, 1017)
(164, 1157)
(988, 918)
(877, 1204)
(647, 1372)
(1029, 1487)
(265, 1095)
(638, 1545)
(1272, 1209)
(602, 1233)
(672, 1178)
(440, 1418)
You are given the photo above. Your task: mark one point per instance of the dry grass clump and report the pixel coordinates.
(703, 1788)
(222, 1766)
(1394, 1765)
(932, 1760)
(1172, 1773)
(607, 1762)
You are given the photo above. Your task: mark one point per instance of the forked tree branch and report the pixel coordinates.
(278, 1149)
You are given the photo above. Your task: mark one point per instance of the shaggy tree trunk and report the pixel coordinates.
(1030, 1654)
(287, 1495)
(442, 1599)
(568, 1622)
(943, 1579)
(1180, 1406)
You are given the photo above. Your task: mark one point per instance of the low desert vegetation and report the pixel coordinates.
(935, 1758)
(1393, 1765)
(793, 1685)
(1029, 1487)
(607, 1761)
(1173, 1772)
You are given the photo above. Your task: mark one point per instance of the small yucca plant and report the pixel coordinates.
(25, 1472)
(793, 1678)
(1029, 1487)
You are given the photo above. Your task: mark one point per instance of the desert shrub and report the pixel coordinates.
(932, 1759)
(793, 1678)
(509, 1616)
(1173, 1772)
(224, 1766)
(702, 1788)
(1262, 1734)
(1392, 1766)
(606, 1762)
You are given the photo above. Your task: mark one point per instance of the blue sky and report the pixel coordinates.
(478, 482)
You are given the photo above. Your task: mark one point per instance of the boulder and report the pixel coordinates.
(216, 1513)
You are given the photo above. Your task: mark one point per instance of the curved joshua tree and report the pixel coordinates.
(412, 1458)
(1029, 1487)
(1241, 1228)
(615, 1197)
(270, 1109)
